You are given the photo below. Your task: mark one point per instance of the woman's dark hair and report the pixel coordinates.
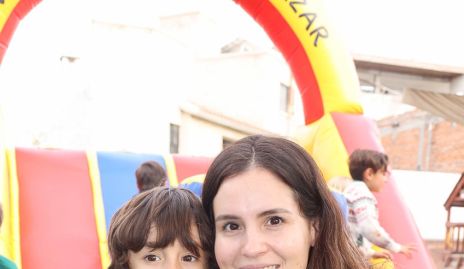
(362, 159)
(150, 174)
(333, 247)
(171, 212)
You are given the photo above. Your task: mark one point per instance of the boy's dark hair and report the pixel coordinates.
(171, 212)
(362, 159)
(150, 174)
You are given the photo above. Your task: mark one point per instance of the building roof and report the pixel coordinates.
(455, 198)
(446, 105)
(219, 119)
(406, 67)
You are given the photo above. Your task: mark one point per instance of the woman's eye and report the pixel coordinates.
(230, 227)
(189, 258)
(275, 220)
(152, 258)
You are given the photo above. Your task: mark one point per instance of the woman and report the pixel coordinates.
(160, 228)
(270, 209)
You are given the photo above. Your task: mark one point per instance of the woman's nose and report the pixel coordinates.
(255, 243)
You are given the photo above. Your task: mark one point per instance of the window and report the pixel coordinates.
(285, 97)
(174, 138)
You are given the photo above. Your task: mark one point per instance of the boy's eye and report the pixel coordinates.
(189, 258)
(152, 258)
(274, 220)
(230, 227)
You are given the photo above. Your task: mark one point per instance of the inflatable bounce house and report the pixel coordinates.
(58, 203)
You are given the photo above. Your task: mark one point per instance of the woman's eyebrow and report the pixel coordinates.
(262, 214)
(274, 211)
(225, 217)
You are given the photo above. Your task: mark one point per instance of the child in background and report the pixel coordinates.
(369, 170)
(149, 175)
(160, 228)
(339, 183)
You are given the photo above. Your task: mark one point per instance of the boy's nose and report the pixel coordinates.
(388, 173)
(173, 265)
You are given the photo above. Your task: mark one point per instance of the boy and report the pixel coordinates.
(161, 228)
(369, 170)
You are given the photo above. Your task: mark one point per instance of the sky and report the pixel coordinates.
(412, 30)
(423, 31)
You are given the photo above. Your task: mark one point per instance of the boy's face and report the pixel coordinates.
(376, 181)
(174, 256)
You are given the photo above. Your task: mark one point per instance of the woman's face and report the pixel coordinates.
(174, 256)
(259, 225)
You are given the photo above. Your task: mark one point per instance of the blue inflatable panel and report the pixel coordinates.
(195, 187)
(117, 174)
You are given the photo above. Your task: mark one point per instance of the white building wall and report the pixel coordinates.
(128, 77)
(244, 86)
(199, 137)
(425, 194)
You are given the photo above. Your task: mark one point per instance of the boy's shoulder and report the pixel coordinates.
(358, 190)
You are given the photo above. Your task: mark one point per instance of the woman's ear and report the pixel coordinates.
(313, 230)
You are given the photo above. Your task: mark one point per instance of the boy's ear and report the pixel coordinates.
(368, 174)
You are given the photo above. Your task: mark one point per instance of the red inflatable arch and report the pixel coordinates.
(11, 13)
